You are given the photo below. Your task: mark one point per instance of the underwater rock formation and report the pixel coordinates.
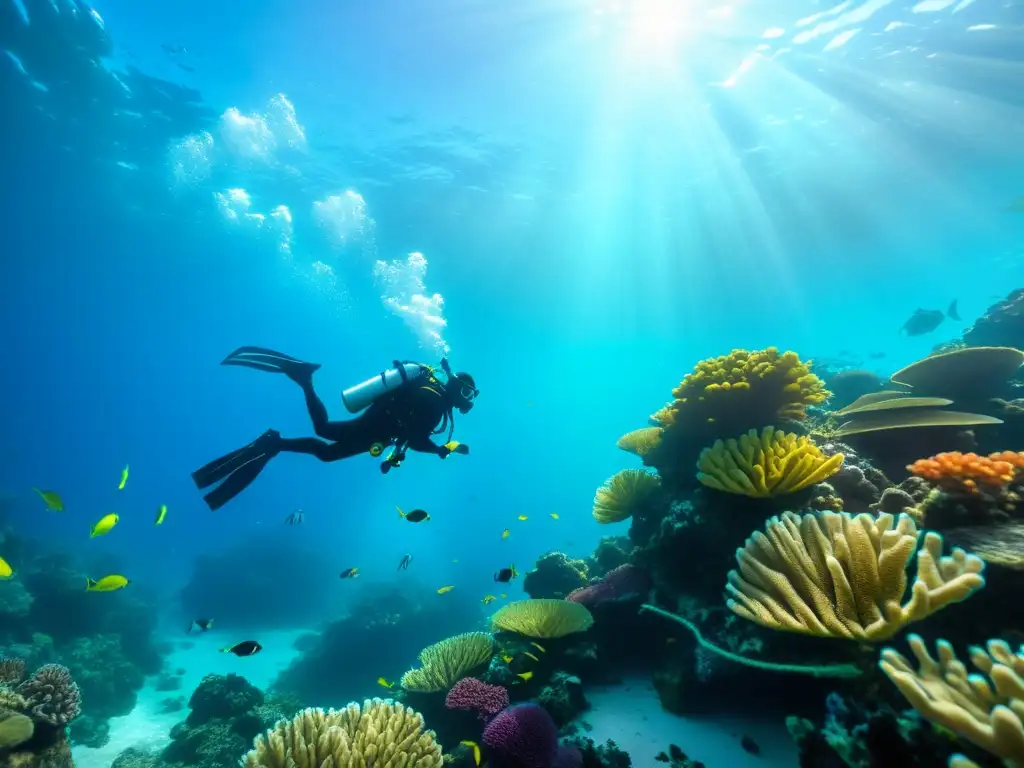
(390, 622)
(226, 714)
(1002, 325)
(555, 575)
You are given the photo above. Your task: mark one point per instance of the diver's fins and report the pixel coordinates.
(218, 469)
(258, 455)
(263, 359)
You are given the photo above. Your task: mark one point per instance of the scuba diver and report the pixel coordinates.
(403, 407)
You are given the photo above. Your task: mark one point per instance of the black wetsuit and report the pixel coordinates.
(408, 417)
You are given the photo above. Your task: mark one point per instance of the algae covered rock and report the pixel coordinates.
(555, 576)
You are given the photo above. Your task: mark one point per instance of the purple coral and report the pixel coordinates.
(470, 693)
(619, 583)
(12, 671)
(523, 736)
(52, 695)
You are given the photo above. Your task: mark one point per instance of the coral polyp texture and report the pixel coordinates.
(443, 664)
(956, 471)
(52, 695)
(383, 734)
(523, 735)
(729, 395)
(985, 708)
(755, 386)
(771, 463)
(640, 441)
(835, 575)
(624, 494)
(480, 697)
(620, 583)
(543, 619)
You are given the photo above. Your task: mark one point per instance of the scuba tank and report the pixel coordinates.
(363, 394)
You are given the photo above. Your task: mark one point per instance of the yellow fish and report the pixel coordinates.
(523, 517)
(109, 583)
(539, 647)
(554, 515)
(527, 653)
(104, 525)
(384, 683)
(488, 599)
(161, 513)
(505, 533)
(52, 499)
(502, 595)
(5, 570)
(124, 478)
(443, 590)
(525, 675)
(476, 750)
(506, 658)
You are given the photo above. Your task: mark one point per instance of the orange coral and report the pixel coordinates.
(964, 471)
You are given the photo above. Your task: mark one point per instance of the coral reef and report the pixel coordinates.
(472, 694)
(611, 552)
(520, 736)
(987, 711)
(727, 396)
(378, 732)
(543, 619)
(389, 622)
(443, 664)
(767, 464)
(607, 755)
(640, 441)
(834, 575)
(627, 493)
(555, 576)
(1002, 325)
(34, 714)
(563, 698)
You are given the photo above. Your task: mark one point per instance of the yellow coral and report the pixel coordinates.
(15, 728)
(640, 441)
(835, 575)
(784, 383)
(769, 464)
(443, 664)
(382, 734)
(543, 618)
(943, 692)
(623, 494)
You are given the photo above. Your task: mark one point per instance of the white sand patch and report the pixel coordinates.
(147, 726)
(635, 720)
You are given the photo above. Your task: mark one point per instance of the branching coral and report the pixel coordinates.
(445, 663)
(640, 441)
(543, 618)
(834, 575)
(770, 464)
(987, 712)
(12, 671)
(624, 494)
(382, 734)
(956, 471)
(52, 695)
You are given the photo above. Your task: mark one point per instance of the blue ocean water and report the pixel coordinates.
(575, 200)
